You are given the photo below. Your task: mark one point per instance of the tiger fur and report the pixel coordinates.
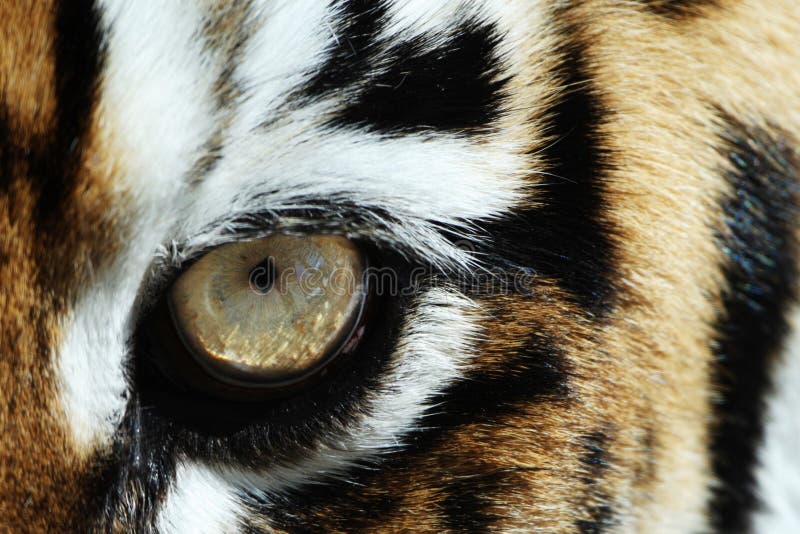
(638, 158)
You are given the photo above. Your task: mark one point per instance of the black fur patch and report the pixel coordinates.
(759, 216)
(595, 457)
(678, 9)
(596, 508)
(408, 85)
(8, 152)
(425, 87)
(348, 61)
(601, 520)
(138, 474)
(534, 372)
(78, 61)
(467, 502)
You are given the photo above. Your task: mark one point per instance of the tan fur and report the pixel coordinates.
(44, 482)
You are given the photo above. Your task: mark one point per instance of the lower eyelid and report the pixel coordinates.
(335, 393)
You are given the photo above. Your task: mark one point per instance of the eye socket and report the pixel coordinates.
(258, 317)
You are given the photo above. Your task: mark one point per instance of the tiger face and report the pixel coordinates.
(567, 232)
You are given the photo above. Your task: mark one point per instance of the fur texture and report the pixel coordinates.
(603, 196)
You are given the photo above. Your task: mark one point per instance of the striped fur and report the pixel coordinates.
(637, 160)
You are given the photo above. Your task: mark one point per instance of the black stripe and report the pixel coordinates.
(137, 476)
(8, 149)
(226, 33)
(760, 277)
(535, 372)
(78, 61)
(429, 85)
(318, 508)
(596, 511)
(467, 500)
(566, 237)
(602, 516)
(357, 38)
(678, 9)
(594, 460)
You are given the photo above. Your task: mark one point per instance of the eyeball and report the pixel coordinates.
(270, 312)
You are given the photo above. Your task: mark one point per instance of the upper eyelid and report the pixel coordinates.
(355, 222)
(412, 272)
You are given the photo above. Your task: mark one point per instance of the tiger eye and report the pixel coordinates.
(270, 311)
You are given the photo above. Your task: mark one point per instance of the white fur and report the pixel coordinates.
(423, 17)
(403, 177)
(156, 103)
(198, 502)
(284, 51)
(779, 473)
(154, 112)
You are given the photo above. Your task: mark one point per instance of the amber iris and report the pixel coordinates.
(270, 311)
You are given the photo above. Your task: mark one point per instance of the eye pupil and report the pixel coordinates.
(262, 276)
